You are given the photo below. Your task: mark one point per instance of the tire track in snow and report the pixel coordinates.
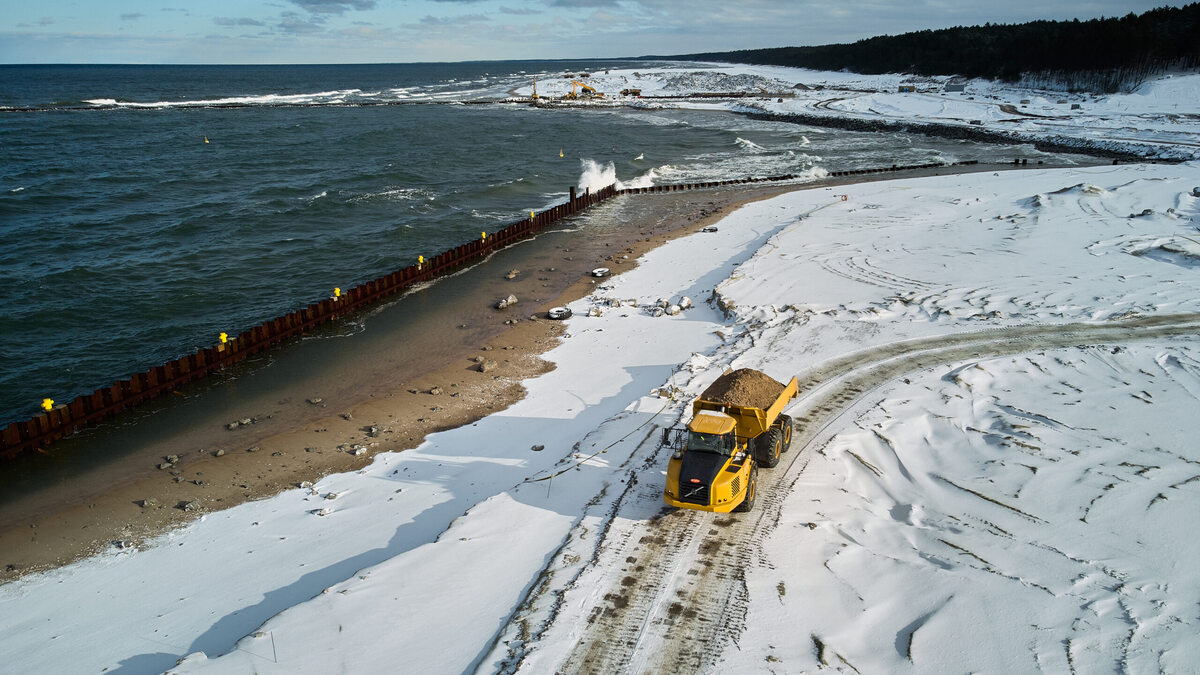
(677, 590)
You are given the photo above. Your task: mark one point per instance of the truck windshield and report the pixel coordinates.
(708, 443)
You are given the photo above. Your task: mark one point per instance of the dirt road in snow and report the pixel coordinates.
(676, 596)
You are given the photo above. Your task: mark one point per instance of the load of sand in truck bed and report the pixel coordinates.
(745, 387)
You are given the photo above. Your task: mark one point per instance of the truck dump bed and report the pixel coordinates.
(751, 397)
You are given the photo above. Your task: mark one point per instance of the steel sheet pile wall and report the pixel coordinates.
(90, 409)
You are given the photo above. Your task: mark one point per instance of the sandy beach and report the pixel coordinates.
(176, 464)
(362, 410)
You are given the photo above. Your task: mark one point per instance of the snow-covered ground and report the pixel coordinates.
(1161, 117)
(993, 469)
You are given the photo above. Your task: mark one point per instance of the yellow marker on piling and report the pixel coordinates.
(224, 338)
(337, 293)
(483, 236)
(531, 215)
(420, 261)
(47, 404)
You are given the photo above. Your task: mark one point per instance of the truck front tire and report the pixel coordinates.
(747, 504)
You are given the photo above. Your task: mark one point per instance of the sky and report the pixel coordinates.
(403, 31)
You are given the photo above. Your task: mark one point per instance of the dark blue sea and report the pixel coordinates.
(146, 209)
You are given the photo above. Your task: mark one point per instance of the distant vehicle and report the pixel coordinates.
(581, 90)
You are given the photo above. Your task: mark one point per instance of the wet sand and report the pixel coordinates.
(376, 383)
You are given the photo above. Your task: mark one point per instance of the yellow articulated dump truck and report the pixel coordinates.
(737, 425)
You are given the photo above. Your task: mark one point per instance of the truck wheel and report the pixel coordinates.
(785, 425)
(747, 504)
(767, 447)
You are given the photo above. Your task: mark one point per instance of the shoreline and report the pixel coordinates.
(321, 438)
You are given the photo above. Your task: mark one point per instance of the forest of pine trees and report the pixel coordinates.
(1100, 55)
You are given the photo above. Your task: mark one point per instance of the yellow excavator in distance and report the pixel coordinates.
(580, 90)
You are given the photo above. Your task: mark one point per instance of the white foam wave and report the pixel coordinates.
(595, 175)
(317, 98)
(749, 145)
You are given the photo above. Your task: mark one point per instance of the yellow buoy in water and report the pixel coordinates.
(206, 139)
(560, 152)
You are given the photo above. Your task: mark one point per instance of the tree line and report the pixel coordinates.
(1106, 54)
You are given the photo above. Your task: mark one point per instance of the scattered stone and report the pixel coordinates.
(512, 274)
(507, 302)
(373, 432)
(347, 416)
(188, 506)
(316, 400)
(672, 310)
(436, 391)
(147, 503)
(685, 302)
(165, 466)
(218, 453)
(320, 512)
(254, 449)
(200, 482)
(487, 365)
(304, 484)
(231, 426)
(332, 495)
(246, 421)
(172, 459)
(595, 311)
(277, 453)
(413, 391)
(538, 448)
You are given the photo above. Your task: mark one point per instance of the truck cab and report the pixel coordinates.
(712, 471)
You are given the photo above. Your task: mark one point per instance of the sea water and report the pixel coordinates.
(144, 210)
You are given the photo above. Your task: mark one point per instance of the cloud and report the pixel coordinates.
(334, 6)
(292, 23)
(131, 17)
(46, 21)
(518, 12)
(583, 3)
(243, 21)
(463, 20)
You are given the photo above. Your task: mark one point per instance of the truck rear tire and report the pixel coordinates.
(767, 447)
(747, 504)
(785, 425)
